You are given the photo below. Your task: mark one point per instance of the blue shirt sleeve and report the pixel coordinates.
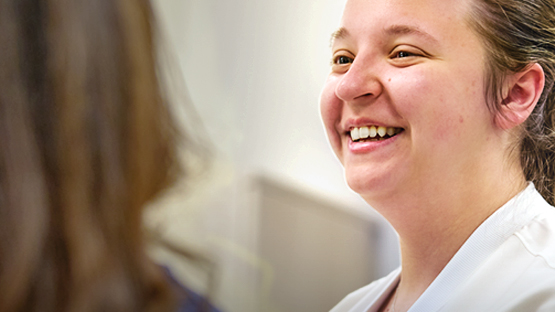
(188, 300)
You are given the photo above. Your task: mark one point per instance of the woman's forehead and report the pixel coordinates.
(409, 7)
(391, 30)
(432, 20)
(360, 13)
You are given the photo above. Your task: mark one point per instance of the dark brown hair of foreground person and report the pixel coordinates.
(86, 141)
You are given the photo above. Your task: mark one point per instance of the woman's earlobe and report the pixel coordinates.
(524, 91)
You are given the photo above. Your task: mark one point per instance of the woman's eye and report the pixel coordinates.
(342, 60)
(407, 55)
(402, 54)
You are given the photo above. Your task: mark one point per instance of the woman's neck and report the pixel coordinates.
(433, 225)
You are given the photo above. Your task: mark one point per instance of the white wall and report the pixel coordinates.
(254, 70)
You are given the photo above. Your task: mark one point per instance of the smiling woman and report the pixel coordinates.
(441, 114)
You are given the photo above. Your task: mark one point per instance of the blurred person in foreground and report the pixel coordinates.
(86, 141)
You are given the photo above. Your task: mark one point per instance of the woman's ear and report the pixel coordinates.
(523, 92)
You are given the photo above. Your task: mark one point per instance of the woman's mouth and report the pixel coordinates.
(373, 133)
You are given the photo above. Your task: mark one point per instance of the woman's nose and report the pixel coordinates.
(360, 83)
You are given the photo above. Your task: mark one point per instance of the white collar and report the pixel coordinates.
(495, 230)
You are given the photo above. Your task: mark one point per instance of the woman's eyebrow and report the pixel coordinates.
(393, 30)
(340, 33)
(397, 30)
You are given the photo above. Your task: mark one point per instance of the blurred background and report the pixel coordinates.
(274, 225)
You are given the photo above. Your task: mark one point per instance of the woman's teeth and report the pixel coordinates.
(373, 132)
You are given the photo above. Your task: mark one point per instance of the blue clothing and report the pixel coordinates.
(194, 302)
(188, 300)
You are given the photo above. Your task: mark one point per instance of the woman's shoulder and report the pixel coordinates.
(535, 237)
(517, 276)
(538, 235)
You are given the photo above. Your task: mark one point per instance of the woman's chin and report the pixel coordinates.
(370, 187)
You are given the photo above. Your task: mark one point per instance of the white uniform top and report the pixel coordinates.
(507, 264)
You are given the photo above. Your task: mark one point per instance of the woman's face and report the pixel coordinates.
(411, 74)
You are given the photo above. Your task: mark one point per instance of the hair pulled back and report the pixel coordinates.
(517, 33)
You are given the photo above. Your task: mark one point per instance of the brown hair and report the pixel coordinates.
(517, 33)
(86, 141)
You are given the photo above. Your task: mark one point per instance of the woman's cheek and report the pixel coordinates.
(416, 93)
(331, 110)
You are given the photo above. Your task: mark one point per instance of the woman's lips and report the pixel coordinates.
(371, 143)
(373, 132)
